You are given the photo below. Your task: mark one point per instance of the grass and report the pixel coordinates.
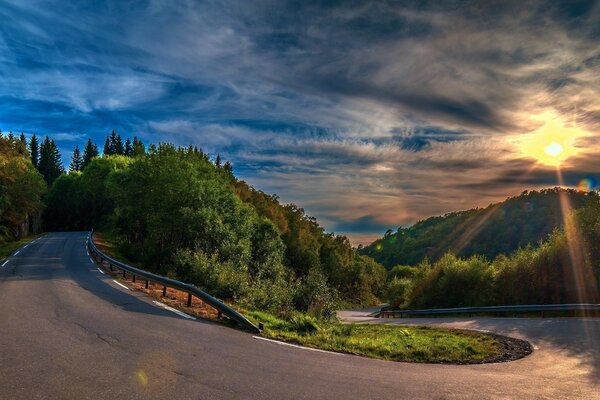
(6, 249)
(387, 342)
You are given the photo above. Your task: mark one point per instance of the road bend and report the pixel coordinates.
(67, 331)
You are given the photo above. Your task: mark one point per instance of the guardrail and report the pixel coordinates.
(541, 308)
(191, 290)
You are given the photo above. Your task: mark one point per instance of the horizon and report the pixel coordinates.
(378, 118)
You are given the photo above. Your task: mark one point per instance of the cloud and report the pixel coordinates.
(368, 114)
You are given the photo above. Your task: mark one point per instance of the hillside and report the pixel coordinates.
(500, 228)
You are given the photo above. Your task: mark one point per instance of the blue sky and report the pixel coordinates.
(369, 114)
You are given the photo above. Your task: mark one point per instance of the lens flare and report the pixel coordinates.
(586, 185)
(142, 378)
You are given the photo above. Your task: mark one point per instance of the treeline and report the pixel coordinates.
(500, 228)
(184, 215)
(564, 268)
(21, 188)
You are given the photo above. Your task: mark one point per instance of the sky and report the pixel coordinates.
(370, 115)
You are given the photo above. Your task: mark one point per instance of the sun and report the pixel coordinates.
(553, 143)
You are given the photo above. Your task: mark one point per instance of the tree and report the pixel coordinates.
(34, 150)
(138, 147)
(107, 150)
(228, 167)
(21, 189)
(50, 165)
(76, 160)
(90, 151)
(218, 161)
(128, 149)
(117, 144)
(22, 149)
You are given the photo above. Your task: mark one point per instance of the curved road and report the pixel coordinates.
(69, 332)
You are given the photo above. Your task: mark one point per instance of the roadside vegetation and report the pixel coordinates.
(564, 268)
(184, 215)
(7, 248)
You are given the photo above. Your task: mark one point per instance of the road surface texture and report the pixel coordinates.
(69, 332)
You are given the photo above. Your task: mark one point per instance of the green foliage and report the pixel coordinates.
(355, 279)
(497, 229)
(50, 163)
(67, 204)
(21, 188)
(76, 160)
(564, 268)
(178, 213)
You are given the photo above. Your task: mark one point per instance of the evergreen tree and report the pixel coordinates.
(128, 149)
(108, 149)
(90, 151)
(34, 150)
(114, 144)
(22, 144)
(218, 161)
(228, 167)
(118, 145)
(138, 147)
(76, 160)
(50, 164)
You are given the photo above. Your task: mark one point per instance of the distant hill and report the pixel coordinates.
(499, 228)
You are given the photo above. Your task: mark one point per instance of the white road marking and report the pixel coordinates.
(297, 346)
(102, 272)
(92, 261)
(120, 284)
(180, 313)
(17, 253)
(5, 262)
(25, 246)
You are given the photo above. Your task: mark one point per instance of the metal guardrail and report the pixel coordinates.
(489, 310)
(191, 290)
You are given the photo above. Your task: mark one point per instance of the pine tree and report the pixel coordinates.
(50, 164)
(22, 145)
(128, 149)
(118, 145)
(218, 161)
(76, 160)
(228, 167)
(115, 144)
(138, 147)
(34, 150)
(108, 150)
(90, 151)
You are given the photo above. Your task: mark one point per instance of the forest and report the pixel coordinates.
(180, 213)
(500, 228)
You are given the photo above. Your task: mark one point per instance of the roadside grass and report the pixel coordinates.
(387, 342)
(6, 249)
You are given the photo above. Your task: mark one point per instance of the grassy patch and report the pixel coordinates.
(6, 249)
(388, 342)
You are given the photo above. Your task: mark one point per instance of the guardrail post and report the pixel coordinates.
(164, 291)
(124, 274)
(146, 283)
(189, 303)
(133, 278)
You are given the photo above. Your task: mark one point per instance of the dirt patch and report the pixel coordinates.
(511, 349)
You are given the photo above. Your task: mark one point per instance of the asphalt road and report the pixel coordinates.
(69, 332)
